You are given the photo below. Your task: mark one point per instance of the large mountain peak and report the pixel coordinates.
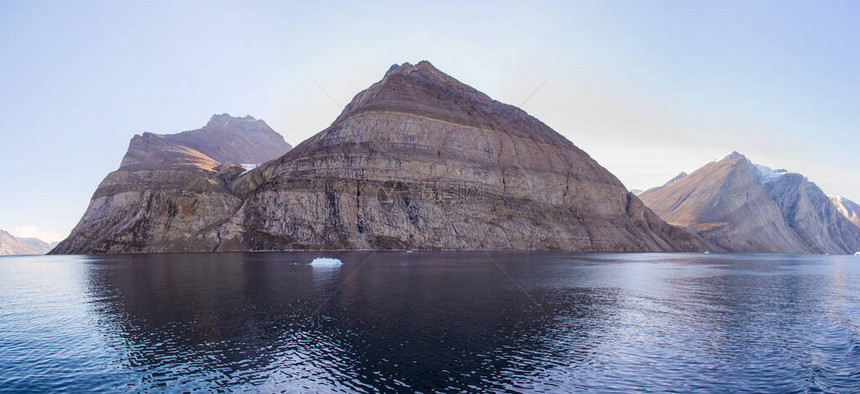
(747, 207)
(425, 130)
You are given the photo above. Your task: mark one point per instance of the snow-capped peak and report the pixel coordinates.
(734, 155)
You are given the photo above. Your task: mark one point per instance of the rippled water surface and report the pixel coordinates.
(430, 321)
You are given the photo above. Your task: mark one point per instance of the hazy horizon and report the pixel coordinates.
(648, 89)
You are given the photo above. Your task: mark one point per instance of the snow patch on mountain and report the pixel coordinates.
(766, 174)
(249, 167)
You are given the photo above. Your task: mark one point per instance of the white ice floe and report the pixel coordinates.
(326, 262)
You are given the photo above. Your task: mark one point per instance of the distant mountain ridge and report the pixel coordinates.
(11, 245)
(228, 139)
(224, 139)
(740, 206)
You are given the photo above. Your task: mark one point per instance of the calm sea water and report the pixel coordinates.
(430, 321)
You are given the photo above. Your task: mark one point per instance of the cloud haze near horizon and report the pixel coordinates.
(647, 88)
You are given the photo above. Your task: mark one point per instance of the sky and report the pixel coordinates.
(647, 88)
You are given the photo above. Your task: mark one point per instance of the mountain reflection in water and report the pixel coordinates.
(430, 321)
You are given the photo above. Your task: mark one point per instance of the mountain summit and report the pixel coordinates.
(423, 90)
(418, 160)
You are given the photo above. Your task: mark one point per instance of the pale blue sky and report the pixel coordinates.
(648, 88)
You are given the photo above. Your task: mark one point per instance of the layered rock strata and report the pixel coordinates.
(417, 161)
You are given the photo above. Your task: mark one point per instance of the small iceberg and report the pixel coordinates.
(326, 262)
(857, 253)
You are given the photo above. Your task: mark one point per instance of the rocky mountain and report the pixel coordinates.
(11, 245)
(171, 191)
(417, 161)
(226, 139)
(848, 208)
(459, 170)
(744, 207)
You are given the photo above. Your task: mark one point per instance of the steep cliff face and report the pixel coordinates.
(421, 161)
(168, 195)
(744, 207)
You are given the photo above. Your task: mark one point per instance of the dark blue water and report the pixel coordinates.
(430, 321)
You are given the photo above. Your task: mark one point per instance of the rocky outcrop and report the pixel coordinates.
(168, 195)
(11, 245)
(743, 207)
(417, 161)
